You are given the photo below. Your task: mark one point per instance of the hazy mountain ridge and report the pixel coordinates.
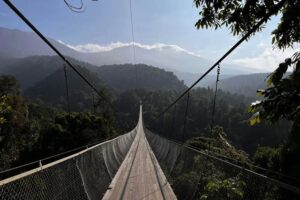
(52, 89)
(246, 85)
(21, 44)
(30, 71)
(166, 58)
(140, 76)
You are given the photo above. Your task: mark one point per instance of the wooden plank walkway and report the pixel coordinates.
(140, 176)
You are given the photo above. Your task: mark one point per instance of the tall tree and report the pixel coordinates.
(282, 97)
(241, 16)
(15, 130)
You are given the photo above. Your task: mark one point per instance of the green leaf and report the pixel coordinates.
(253, 106)
(255, 119)
(273, 40)
(270, 80)
(260, 93)
(2, 120)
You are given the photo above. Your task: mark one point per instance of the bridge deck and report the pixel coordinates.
(140, 176)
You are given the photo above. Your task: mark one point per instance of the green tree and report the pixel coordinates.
(68, 131)
(229, 188)
(241, 16)
(219, 144)
(282, 98)
(268, 157)
(16, 131)
(9, 85)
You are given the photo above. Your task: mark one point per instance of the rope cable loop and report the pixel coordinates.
(75, 8)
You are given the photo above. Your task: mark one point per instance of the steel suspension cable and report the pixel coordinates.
(173, 121)
(185, 116)
(212, 122)
(215, 98)
(164, 125)
(93, 101)
(18, 12)
(133, 44)
(214, 156)
(245, 37)
(67, 89)
(239, 162)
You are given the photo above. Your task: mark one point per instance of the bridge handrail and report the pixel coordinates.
(249, 164)
(260, 176)
(53, 156)
(42, 167)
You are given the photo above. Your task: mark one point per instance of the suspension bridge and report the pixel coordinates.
(141, 164)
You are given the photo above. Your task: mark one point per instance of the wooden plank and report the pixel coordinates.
(140, 176)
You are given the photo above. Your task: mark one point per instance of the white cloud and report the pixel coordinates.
(93, 48)
(268, 60)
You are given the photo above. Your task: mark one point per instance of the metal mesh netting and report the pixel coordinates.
(86, 175)
(196, 175)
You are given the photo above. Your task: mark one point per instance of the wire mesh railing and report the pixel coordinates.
(83, 175)
(37, 163)
(194, 174)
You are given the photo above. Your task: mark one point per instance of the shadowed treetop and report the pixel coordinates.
(240, 16)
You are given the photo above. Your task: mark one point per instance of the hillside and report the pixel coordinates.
(52, 89)
(31, 70)
(246, 85)
(15, 43)
(127, 76)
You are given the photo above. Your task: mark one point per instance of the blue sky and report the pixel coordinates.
(155, 21)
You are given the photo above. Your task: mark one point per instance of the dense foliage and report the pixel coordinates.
(34, 72)
(33, 130)
(231, 114)
(281, 99)
(241, 16)
(16, 130)
(52, 89)
(125, 77)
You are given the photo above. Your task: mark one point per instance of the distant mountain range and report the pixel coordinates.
(52, 89)
(20, 44)
(141, 76)
(31, 71)
(25, 56)
(246, 85)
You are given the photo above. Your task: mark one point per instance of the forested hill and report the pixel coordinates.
(246, 85)
(140, 76)
(31, 70)
(52, 89)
